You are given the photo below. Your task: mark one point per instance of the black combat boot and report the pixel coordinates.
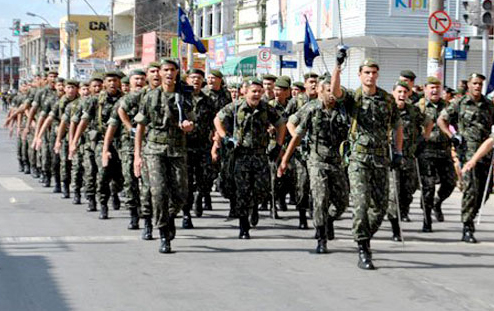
(302, 218)
(244, 228)
(65, 190)
(91, 205)
(468, 230)
(330, 228)
(282, 203)
(254, 217)
(35, 172)
(147, 233)
(134, 219)
(207, 202)
(405, 218)
(273, 213)
(438, 212)
(47, 181)
(77, 197)
(21, 167)
(57, 188)
(42, 178)
(198, 205)
(187, 221)
(364, 256)
(395, 227)
(172, 228)
(115, 202)
(264, 206)
(233, 211)
(27, 169)
(165, 246)
(322, 240)
(104, 211)
(427, 226)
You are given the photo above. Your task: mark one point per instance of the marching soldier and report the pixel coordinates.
(268, 81)
(409, 77)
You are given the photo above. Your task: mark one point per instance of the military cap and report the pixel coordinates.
(283, 83)
(52, 72)
(113, 74)
(72, 82)
(401, 83)
(98, 76)
(125, 80)
(461, 91)
(432, 80)
(216, 73)
(369, 62)
(137, 72)
(120, 73)
(299, 85)
(408, 74)
(449, 90)
(168, 60)
(476, 75)
(60, 80)
(44, 74)
(324, 77)
(254, 80)
(84, 83)
(269, 77)
(310, 75)
(196, 71)
(233, 85)
(154, 65)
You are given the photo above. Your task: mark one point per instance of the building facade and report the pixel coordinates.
(39, 51)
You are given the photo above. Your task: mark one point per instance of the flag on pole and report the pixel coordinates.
(490, 86)
(186, 33)
(311, 49)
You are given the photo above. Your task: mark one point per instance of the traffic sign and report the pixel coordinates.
(281, 47)
(289, 64)
(264, 58)
(453, 32)
(450, 54)
(439, 22)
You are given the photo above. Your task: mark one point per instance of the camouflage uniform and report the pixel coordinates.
(406, 174)
(435, 160)
(33, 157)
(46, 98)
(474, 121)
(251, 170)
(373, 117)
(98, 113)
(165, 154)
(77, 170)
(326, 129)
(22, 156)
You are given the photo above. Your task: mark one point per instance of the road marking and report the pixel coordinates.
(14, 184)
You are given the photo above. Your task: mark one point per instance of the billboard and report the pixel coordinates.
(85, 47)
(148, 48)
(221, 50)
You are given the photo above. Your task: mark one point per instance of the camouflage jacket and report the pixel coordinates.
(438, 144)
(219, 98)
(129, 103)
(204, 111)
(413, 121)
(98, 112)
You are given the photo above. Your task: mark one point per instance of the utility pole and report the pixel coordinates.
(67, 33)
(11, 67)
(112, 48)
(160, 37)
(1, 69)
(457, 47)
(434, 59)
(42, 49)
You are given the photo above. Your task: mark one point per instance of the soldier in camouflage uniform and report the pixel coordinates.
(435, 156)
(325, 123)
(122, 123)
(167, 113)
(252, 119)
(95, 117)
(19, 122)
(409, 77)
(268, 81)
(84, 146)
(374, 115)
(297, 88)
(406, 175)
(220, 98)
(199, 143)
(473, 115)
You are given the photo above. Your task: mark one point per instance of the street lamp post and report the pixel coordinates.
(42, 50)
(11, 69)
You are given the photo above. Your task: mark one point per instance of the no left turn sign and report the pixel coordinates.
(439, 22)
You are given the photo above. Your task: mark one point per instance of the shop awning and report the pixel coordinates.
(240, 66)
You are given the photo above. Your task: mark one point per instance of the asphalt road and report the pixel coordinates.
(55, 256)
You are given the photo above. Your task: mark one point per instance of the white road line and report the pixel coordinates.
(14, 184)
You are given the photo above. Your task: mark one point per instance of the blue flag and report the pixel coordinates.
(311, 49)
(186, 33)
(490, 86)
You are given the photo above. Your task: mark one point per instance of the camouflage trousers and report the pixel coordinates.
(78, 169)
(22, 156)
(406, 183)
(369, 189)
(329, 189)
(226, 174)
(109, 179)
(430, 168)
(168, 185)
(474, 186)
(251, 175)
(201, 173)
(33, 157)
(90, 169)
(302, 183)
(145, 191)
(65, 163)
(55, 160)
(46, 154)
(131, 183)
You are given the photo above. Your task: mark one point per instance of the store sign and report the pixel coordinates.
(85, 47)
(148, 48)
(409, 7)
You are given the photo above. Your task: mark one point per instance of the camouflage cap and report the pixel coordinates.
(310, 75)
(402, 84)
(476, 75)
(112, 74)
(154, 65)
(84, 83)
(125, 80)
(44, 74)
(254, 80)
(196, 71)
(449, 90)
(72, 82)
(97, 76)
(287, 78)
(408, 74)
(168, 60)
(299, 85)
(269, 76)
(136, 72)
(369, 62)
(52, 72)
(233, 85)
(432, 80)
(216, 73)
(120, 73)
(60, 80)
(283, 83)
(324, 77)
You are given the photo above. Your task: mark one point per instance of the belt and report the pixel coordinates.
(247, 151)
(374, 151)
(159, 139)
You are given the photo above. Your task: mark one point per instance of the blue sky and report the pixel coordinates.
(52, 10)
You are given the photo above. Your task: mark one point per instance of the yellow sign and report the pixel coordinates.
(87, 26)
(85, 47)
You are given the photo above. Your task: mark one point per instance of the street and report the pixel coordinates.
(56, 256)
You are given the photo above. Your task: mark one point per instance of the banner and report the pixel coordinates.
(148, 48)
